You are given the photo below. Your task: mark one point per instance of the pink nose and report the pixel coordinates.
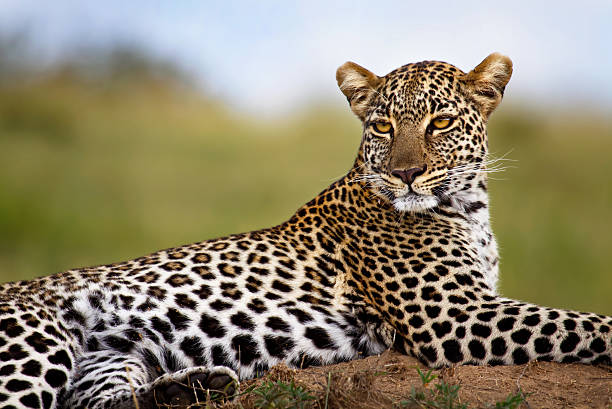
(408, 175)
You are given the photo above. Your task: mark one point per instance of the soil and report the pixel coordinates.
(386, 380)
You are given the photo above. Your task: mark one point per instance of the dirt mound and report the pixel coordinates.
(388, 380)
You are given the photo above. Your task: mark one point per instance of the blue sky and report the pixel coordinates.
(270, 56)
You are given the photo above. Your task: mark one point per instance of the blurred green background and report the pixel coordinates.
(97, 169)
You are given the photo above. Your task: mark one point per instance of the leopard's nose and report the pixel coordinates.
(408, 175)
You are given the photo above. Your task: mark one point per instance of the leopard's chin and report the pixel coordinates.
(412, 202)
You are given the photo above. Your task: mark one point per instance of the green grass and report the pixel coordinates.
(432, 393)
(278, 395)
(441, 395)
(96, 174)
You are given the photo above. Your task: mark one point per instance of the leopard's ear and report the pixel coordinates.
(358, 85)
(486, 82)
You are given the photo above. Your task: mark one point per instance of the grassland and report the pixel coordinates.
(96, 173)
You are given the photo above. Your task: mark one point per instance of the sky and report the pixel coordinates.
(273, 56)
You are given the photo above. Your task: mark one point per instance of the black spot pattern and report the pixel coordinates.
(242, 320)
(179, 320)
(521, 336)
(278, 324)
(278, 346)
(477, 349)
(212, 327)
(31, 368)
(498, 346)
(452, 351)
(7, 370)
(519, 356)
(548, 329)
(163, 327)
(220, 357)
(15, 352)
(598, 345)
(17, 385)
(55, 378)
(10, 327)
(429, 353)
(319, 337)
(481, 330)
(441, 328)
(246, 349)
(30, 401)
(542, 345)
(506, 324)
(570, 342)
(193, 348)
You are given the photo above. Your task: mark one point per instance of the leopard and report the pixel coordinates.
(398, 253)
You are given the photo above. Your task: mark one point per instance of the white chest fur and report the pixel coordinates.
(481, 236)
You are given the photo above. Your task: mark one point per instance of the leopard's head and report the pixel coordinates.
(424, 127)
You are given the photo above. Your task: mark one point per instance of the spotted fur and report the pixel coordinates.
(398, 253)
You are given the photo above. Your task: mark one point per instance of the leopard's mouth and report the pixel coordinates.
(405, 198)
(414, 202)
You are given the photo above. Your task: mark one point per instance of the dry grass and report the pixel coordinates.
(388, 380)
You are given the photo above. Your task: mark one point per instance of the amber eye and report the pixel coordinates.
(441, 123)
(382, 127)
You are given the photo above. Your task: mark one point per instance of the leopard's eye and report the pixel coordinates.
(442, 123)
(382, 127)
